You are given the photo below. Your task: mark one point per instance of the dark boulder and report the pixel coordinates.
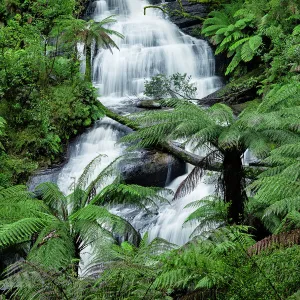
(155, 2)
(152, 168)
(148, 104)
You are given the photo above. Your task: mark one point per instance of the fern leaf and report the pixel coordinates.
(255, 42)
(238, 43)
(20, 231)
(234, 63)
(247, 53)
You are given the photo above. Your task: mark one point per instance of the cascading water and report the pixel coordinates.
(152, 45)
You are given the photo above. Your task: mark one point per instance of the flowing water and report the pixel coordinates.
(152, 45)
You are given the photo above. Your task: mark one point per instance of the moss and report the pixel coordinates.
(248, 81)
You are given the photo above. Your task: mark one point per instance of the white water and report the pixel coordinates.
(152, 45)
(169, 224)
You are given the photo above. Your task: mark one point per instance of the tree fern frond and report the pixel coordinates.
(20, 231)
(54, 198)
(88, 171)
(54, 247)
(234, 63)
(173, 278)
(190, 183)
(238, 43)
(135, 195)
(222, 114)
(255, 42)
(278, 95)
(284, 206)
(247, 53)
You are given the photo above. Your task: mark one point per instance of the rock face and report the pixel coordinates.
(155, 2)
(187, 25)
(152, 168)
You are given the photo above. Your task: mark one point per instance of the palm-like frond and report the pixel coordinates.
(54, 199)
(210, 212)
(104, 219)
(54, 246)
(132, 195)
(27, 281)
(131, 266)
(20, 231)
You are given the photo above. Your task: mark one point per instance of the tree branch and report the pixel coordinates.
(153, 6)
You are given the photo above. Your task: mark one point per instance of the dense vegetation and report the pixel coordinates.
(250, 249)
(44, 99)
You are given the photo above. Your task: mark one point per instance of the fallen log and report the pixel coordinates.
(172, 148)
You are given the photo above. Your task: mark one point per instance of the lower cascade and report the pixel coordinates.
(152, 45)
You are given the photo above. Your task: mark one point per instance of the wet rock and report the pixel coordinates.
(48, 175)
(148, 104)
(152, 168)
(155, 2)
(195, 10)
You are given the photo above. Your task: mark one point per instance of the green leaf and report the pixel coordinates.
(247, 53)
(255, 42)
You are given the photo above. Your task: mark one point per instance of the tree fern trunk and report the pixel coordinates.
(77, 244)
(88, 65)
(234, 184)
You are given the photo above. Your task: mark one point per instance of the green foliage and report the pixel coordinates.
(174, 86)
(60, 227)
(131, 271)
(45, 101)
(73, 30)
(277, 198)
(210, 212)
(248, 30)
(229, 31)
(44, 98)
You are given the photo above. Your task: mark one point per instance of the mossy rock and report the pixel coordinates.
(237, 91)
(148, 104)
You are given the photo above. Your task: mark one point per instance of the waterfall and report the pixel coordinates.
(152, 45)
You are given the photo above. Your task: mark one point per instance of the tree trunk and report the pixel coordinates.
(234, 185)
(88, 63)
(77, 244)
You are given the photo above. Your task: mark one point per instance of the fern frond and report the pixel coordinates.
(88, 171)
(54, 198)
(54, 247)
(20, 231)
(255, 42)
(238, 43)
(247, 53)
(234, 63)
(133, 195)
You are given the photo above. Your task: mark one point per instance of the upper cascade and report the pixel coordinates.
(152, 45)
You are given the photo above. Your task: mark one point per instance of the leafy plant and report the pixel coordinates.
(60, 227)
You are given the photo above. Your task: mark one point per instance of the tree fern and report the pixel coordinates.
(61, 227)
(131, 270)
(277, 190)
(256, 129)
